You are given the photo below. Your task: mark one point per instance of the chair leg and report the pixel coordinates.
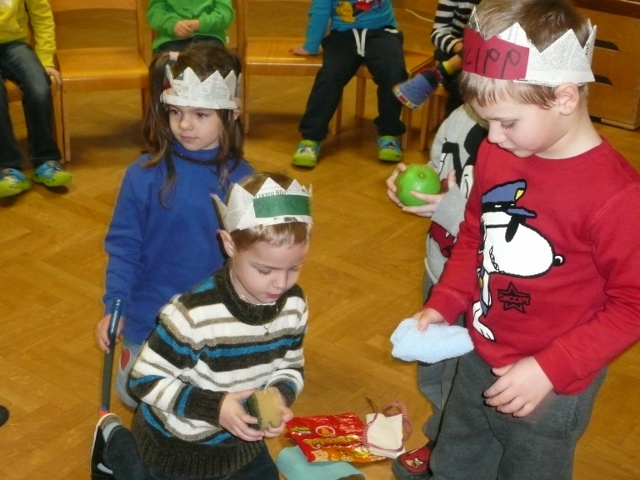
(361, 93)
(407, 115)
(58, 128)
(336, 122)
(66, 131)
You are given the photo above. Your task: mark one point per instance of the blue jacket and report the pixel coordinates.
(157, 252)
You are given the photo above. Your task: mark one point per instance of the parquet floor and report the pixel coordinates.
(363, 276)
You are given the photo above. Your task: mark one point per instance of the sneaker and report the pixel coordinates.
(307, 154)
(50, 174)
(13, 182)
(413, 465)
(415, 91)
(104, 429)
(389, 149)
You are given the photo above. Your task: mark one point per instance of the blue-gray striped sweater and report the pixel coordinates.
(210, 342)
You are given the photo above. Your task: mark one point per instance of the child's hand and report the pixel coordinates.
(520, 388)
(286, 414)
(426, 317)
(235, 419)
(432, 201)
(57, 78)
(194, 25)
(183, 29)
(391, 184)
(102, 333)
(300, 51)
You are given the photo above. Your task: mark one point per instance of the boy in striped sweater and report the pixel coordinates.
(236, 332)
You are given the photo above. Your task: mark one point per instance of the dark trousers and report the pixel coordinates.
(384, 59)
(19, 63)
(476, 441)
(122, 457)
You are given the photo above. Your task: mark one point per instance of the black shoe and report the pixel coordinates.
(104, 429)
(4, 415)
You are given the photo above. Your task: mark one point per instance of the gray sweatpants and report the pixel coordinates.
(476, 441)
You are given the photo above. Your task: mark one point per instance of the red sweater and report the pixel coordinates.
(556, 246)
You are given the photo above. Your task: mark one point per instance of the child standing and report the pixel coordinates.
(239, 330)
(179, 23)
(360, 32)
(446, 35)
(31, 71)
(548, 280)
(453, 155)
(157, 241)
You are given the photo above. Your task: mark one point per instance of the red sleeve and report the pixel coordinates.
(584, 350)
(453, 294)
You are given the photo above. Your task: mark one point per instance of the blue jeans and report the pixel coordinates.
(122, 457)
(19, 63)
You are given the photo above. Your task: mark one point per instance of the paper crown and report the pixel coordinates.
(512, 56)
(186, 90)
(270, 206)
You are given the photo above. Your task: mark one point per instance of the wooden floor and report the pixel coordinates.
(363, 275)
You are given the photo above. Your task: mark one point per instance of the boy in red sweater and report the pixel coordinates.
(545, 263)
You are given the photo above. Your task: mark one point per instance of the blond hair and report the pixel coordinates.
(293, 233)
(544, 21)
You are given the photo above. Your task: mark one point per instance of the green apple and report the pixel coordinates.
(418, 178)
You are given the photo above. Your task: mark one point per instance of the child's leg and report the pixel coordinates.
(465, 442)
(260, 468)
(541, 446)
(340, 63)
(11, 154)
(128, 355)
(114, 454)
(20, 64)
(384, 58)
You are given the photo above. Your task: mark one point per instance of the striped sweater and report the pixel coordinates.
(451, 18)
(210, 342)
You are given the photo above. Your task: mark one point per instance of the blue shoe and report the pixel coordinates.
(13, 182)
(389, 149)
(307, 154)
(414, 92)
(50, 174)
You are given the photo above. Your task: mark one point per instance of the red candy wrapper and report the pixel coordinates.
(331, 438)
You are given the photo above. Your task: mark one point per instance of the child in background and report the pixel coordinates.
(158, 239)
(446, 35)
(549, 282)
(177, 23)
(360, 32)
(453, 156)
(239, 330)
(31, 71)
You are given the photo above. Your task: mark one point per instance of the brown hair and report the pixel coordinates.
(544, 21)
(293, 233)
(204, 59)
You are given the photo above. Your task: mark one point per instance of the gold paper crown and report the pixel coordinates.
(565, 60)
(186, 90)
(270, 206)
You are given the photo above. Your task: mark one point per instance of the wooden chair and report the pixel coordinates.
(432, 116)
(105, 67)
(268, 52)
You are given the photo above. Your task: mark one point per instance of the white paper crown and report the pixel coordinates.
(186, 90)
(565, 60)
(270, 206)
